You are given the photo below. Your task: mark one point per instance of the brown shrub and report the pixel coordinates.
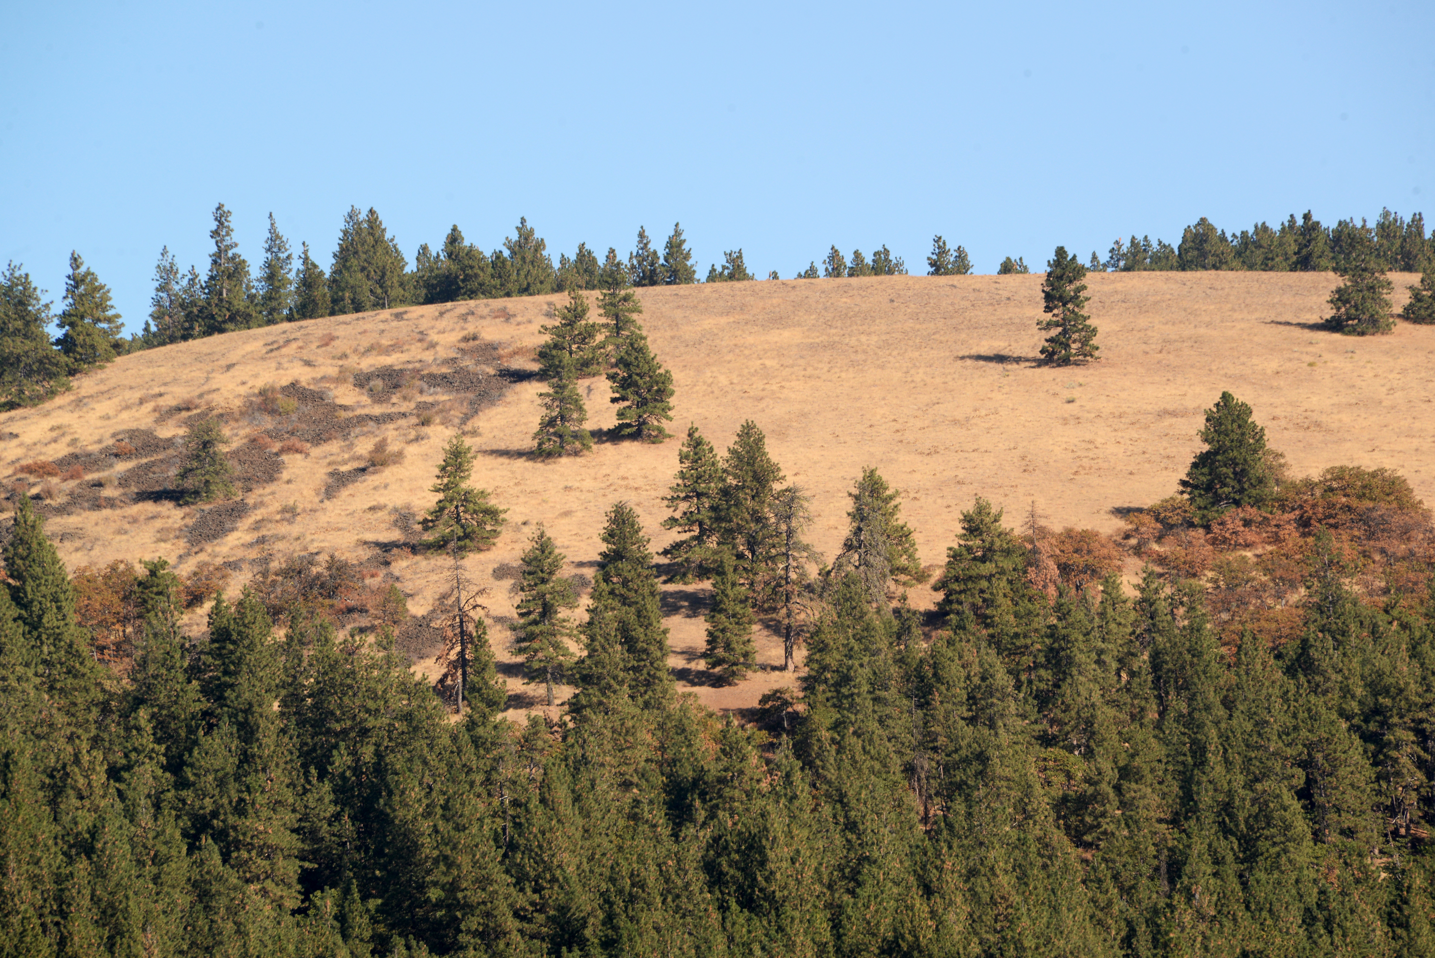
(203, 583)
(1241, 528)
(1186, 553)
(262, 441)
(275, 403)
(381, 455)
(73, 473)
(107, 606)
(328, 339)
(1142, 531)
(1083, 557)
(123, 448)
(40, 469)
(294, 447)
(1173, 512)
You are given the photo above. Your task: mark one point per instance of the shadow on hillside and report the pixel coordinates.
(1121, 512)
(1001, 359)
(508, 453)
(1316, 327)
(689, 603)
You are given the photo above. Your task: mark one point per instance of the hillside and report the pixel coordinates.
(929, 379)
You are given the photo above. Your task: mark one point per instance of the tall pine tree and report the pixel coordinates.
(276, 277)
(1073, 338)
(544, 631)
(91, 326)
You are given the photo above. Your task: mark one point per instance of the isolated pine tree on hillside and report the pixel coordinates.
(1233, 470)
(91, 326)
(573, 341)
(1011, 267)
(560, 429)
(695, 499)
(834, 266)
(749, 494)
(939, 261)
(228, 304)
(645, 266)
(462, 517)
(643, 389)
(1073, 338)
(206, 474)
(311, 293)
(167, 321)
(1361, 303)
(1420, 309)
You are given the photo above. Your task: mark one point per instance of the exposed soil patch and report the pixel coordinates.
(216, 522)
(339, 478)
(417, 640)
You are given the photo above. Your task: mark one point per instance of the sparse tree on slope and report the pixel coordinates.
(560, 430)
(1421, 307)
(368, 269)
(695, 499)
(91, 325)
(1361, 304)
(792, 517)
(748, 498)
(1073, 338)
(462, 517)
(206, 474)
(1010, 267)
(617, 302)
(276, 277)
(543, 630)
(1233, 469)
(645, 266)
(167, 321)
(572, 341)
(834, 266)
(311, 297)
(228, 303)
(644, 390)
(678, 269)
(31, 369)
(879, 546)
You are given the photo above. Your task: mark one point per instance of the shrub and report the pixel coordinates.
(40, 469)
(381, 455)
(203, 583)
(293, 446)
(73, 473)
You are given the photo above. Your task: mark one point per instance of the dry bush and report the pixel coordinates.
(203, 583)
(301, 588)
(49, 491)
(1240, 528)
(123, 448)
(381, 455)
(294, 447)
(275, 403)
(1173, 512)
(1142, 531)
(328, 339)
(107, 606)
(262, 441)
(40, 469)
(1185, 553)
(73, 473)
(1082, 557)
(509, 353)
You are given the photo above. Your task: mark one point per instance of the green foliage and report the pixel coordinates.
(1233, 469)
(730, 651)
(560, 428)
(617, 302)
(943, 262)
(1420, 308)
(645, 267)
(859, 265)
(170, 317)
(1073, 338)
(751, 480)
(984, 580)
(1361, 304)
(311, 289)
(275, 293)
(580, 272)
(834, 266)
(227, 302)
(695, 499)
(462, 519)
(1203, 247)
(1011, 266)
(543, 630)
(879, 548)
(734, 270)
(885, 264)
(573, 341)
(524, 268)
(678, 269)
(91, 326)
(368, 268)
(809, 273)
(1312, 244)
(31, 370)
(643, 390)
(206, 474)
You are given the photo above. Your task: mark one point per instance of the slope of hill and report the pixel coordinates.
(929, 379)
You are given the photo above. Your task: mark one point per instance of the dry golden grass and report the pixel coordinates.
(928, 379)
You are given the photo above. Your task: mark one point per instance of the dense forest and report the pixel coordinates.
(369, 271)
(1211, 734)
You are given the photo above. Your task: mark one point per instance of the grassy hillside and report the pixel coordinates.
(929, 379)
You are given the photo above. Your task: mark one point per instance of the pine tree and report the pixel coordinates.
(1361, 303)
(730, 651)
(167, 321)
(1073, 338)
(746, 527)
(580, 272)
(694, 499)
(560, 429)
(834, 266)
(630, 597)
(1203, 247)
(31, 369)
(733, 270)
(1093, 265)
(879, 546)
(228, 304)
(939, 260)
(311, 290)
(462, 517)
(543, 630)
(885, 264)
(572, 341)
(206, 474)
(276, 277)
(678, 269)
(1233, 469)
(91, 326)
(526, 269)
(858, 265)
(1420, 308)
(368, 269)
(645, 267)
(617, 302)
(792, 517)
(1011, 267)
(1312, 244)
(809, 273)
(643, 389)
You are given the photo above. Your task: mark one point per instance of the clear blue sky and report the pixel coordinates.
(777, 128)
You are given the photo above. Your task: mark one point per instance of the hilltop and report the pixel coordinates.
(929, 379)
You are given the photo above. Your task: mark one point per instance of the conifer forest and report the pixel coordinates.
(1210, 733)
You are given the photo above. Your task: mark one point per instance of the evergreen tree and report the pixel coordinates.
(560, 429)
(526, 269)
(645, 267)
(580, 272)
(50, 643)
(1361, 303)
(276, 277)
(1203, 247)
(751, 481)
(810, 272)
(205, 475)
(792, 517)
(859, 265)
(1072, 336)
(228, 295)
(885, 264)
(572, 341)
(879, 546)
(1233, 469)
(643, 389)
(167, 321)
(834, 266)
(1094, 264)
(730, 651)
(939, 260)
(311, 290)
(1420, 308)
(91, 326)
(1011, 266)
(678, 269)
(733, 270)
(368, 269)
(617, 302)
(694, 499)
(462, 517)
(543, 630)
(31, 370)
(1312, 244)
(625, 628)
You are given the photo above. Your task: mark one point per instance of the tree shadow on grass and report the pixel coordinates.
(1316, 327)
(1000, 359)
(689, 603)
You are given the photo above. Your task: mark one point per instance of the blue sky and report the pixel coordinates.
(778, 128)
